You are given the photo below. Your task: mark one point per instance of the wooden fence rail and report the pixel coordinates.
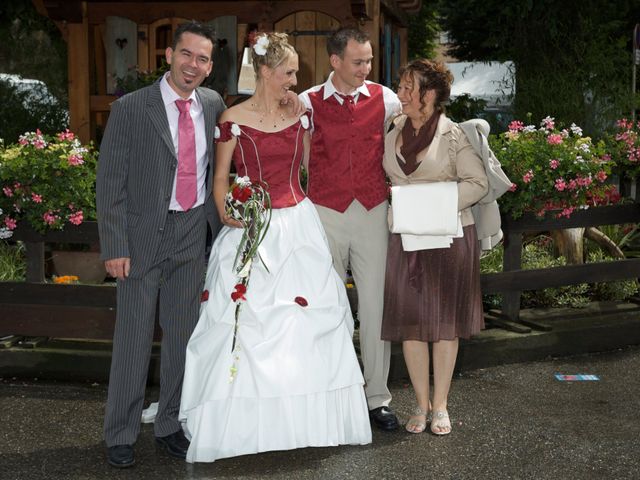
(34, 308)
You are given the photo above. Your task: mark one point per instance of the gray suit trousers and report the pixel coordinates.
(173, 285)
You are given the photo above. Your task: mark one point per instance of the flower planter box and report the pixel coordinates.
(87, 266)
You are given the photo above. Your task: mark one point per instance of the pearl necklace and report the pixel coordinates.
(264, 114)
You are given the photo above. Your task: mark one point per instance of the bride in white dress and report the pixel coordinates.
(297, 382)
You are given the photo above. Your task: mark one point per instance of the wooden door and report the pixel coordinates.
(308, 32)
(160, 37)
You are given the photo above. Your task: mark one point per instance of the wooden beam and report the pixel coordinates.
(591, 217)
(539, 278)
(394, 11)
(247, 11)
(78, 62)
(97, 296)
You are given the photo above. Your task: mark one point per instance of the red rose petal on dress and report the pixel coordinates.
(301, 301)
(239, 292)
(205, 296)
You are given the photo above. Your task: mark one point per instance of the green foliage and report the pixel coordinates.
(46, 181)
(538, 253)
(31, 45)
(624, 146)
(23, 110)
(423, 32)
(614, 291)
(572, 58)
(551, 169)
(136, 79)
(13, 266)
(465, 107)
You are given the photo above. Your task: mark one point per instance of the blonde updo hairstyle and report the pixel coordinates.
(278, 51)
(430, 75)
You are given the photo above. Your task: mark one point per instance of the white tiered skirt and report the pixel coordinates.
(298, 382)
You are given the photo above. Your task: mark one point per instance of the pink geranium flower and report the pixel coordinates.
(553, 164)
(516, 126)
(36, 198)
(75, 159)
(601, 176)
(50, 218)
(554, 139)
(10, 223)
(66, 135)
(76, 218)
(527, 177)
(560, 184)
(7, 191)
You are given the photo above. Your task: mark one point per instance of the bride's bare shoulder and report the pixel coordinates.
(239, 113)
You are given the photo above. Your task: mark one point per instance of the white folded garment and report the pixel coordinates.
(411, 243)
(426, 214)
(425, 208)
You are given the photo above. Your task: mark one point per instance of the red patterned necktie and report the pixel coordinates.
(186, 189)
(347, 100)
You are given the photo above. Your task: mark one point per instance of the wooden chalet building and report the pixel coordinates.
(109, 39)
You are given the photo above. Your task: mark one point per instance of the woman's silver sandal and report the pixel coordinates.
(440, 421)
(415, 426)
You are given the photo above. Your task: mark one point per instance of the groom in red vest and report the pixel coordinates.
(347, 184)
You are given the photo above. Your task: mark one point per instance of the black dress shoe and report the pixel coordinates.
(175, 444)
(384, 418)
(120, 456)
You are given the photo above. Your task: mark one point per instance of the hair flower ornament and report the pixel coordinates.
(261, 45)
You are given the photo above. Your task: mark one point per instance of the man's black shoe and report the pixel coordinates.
(176, 444)
(120, 456)
(384, 418)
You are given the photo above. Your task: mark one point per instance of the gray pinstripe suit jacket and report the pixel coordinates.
(136, 171)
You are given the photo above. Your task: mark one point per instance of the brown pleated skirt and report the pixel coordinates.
(433, 295)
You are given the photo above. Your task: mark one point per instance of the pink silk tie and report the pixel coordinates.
(186, 188)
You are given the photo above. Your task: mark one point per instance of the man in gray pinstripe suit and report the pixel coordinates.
(150, 242)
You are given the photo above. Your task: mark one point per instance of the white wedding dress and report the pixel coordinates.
(298, 382)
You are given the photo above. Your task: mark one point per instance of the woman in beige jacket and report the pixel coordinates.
(432, 295)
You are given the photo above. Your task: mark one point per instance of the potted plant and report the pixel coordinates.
(48, 183)
(624, 146)
(552, 169)
(557, 171)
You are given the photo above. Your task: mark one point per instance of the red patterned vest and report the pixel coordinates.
(346, 150)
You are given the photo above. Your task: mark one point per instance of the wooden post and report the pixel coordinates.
(35, 261)
(372, 27)
(79, 94)
(512, 261)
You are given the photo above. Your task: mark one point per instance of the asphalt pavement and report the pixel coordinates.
(513, 421)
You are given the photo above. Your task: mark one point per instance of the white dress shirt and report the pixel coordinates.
(169, 97)
(392, 105)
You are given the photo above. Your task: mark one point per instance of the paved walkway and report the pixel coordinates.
(510, 422)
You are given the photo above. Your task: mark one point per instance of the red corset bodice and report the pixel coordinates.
(272, 157)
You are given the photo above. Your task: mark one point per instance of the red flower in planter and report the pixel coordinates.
(301, 301)
(205, 296)
(238, 294)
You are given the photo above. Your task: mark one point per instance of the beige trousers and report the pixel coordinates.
(358, 238)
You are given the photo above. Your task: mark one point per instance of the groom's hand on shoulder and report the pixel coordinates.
(295, 107)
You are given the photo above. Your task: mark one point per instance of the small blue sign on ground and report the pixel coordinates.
(576, 378)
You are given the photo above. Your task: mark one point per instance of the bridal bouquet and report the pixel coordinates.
(250, 204)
